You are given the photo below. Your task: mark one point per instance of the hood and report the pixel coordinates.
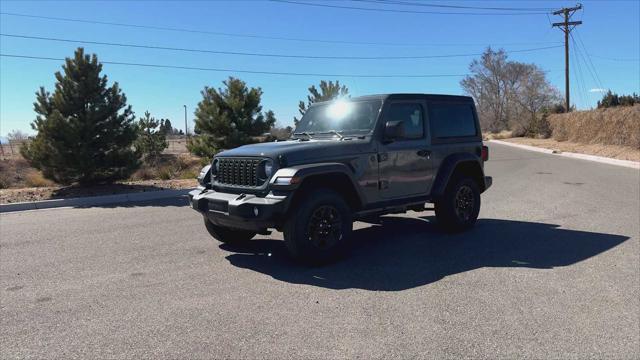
(299, 152)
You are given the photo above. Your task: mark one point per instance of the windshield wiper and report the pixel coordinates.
(334, 132)
(307, 134)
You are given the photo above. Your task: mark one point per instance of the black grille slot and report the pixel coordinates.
(238, 171)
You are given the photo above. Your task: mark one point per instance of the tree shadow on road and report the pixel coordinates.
(404, 253)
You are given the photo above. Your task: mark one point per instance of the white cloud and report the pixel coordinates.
(597, 90)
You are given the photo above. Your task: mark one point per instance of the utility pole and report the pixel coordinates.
(566, 27)
(186, 129)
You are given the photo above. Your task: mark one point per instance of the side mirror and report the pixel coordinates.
(393, 130)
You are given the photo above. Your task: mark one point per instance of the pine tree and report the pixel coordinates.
(328, 91)
(85, 128)
(166, 127)
(229, 117)
(151, 139)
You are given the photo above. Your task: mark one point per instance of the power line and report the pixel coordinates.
(580, 78)
(407, 3)
(614, 59)
(397, 10)
(587, 61)
(295, 56)
(250, 36)
(243, 71)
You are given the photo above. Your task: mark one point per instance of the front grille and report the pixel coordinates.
(238, 171)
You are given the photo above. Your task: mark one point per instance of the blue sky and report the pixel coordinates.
(610, 31)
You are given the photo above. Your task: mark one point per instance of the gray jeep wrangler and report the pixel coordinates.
(349, 160)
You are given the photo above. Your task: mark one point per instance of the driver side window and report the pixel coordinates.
(411, 115)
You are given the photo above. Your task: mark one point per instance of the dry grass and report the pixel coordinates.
(618, 126)
(15, 172)
(610, 151)
(170, 166)
(35, 179)
(504, 134)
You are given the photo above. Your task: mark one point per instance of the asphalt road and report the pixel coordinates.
(552, 270)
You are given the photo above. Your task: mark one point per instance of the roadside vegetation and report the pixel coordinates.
(510, 96)
(607, 126)
(87, 135)
(85, 129)
(229, 117)
(516, 102)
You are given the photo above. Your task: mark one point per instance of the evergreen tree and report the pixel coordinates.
(85, 128)
(328, 91)
(228, 117)
(151, 139)
(609, 99)
(165, 127)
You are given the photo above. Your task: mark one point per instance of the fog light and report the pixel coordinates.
(255, 211)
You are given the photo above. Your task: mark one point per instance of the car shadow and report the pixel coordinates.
(404, 253)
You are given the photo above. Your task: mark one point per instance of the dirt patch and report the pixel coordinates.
(58, 192)
(610, 151)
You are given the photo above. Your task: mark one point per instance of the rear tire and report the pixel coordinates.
(459, 207)
(319, 228)
(228, 235)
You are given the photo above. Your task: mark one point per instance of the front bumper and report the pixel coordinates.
(240, 211)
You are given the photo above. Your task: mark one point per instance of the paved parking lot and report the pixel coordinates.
(552, 270)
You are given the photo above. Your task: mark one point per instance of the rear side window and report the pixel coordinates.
(452, 120)
(411, 116)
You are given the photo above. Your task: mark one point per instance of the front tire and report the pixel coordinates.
(459, 207)
(318, 230)
(228, 235)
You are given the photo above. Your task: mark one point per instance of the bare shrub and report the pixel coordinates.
(166, 173)
(5, 181)
(35, 179)
(144, 173)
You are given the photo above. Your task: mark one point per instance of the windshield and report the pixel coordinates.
(340, 116)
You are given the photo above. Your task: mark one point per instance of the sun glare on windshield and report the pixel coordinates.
(339, 109)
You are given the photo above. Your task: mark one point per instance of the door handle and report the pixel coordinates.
(424, 153)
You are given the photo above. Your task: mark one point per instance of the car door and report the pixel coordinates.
(405, 163)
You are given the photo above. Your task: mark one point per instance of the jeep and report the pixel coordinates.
(347, 160)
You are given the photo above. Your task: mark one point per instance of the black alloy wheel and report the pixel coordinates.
(464, 203)
(325, 227)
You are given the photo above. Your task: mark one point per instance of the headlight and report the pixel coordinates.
(268, 168)
(216, 167)
(204, 178)
(265, 170)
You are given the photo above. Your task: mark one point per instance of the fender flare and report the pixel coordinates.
(448, 167)
(303, 172)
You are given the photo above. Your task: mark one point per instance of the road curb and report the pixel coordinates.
(600, 159)
(93, 200)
